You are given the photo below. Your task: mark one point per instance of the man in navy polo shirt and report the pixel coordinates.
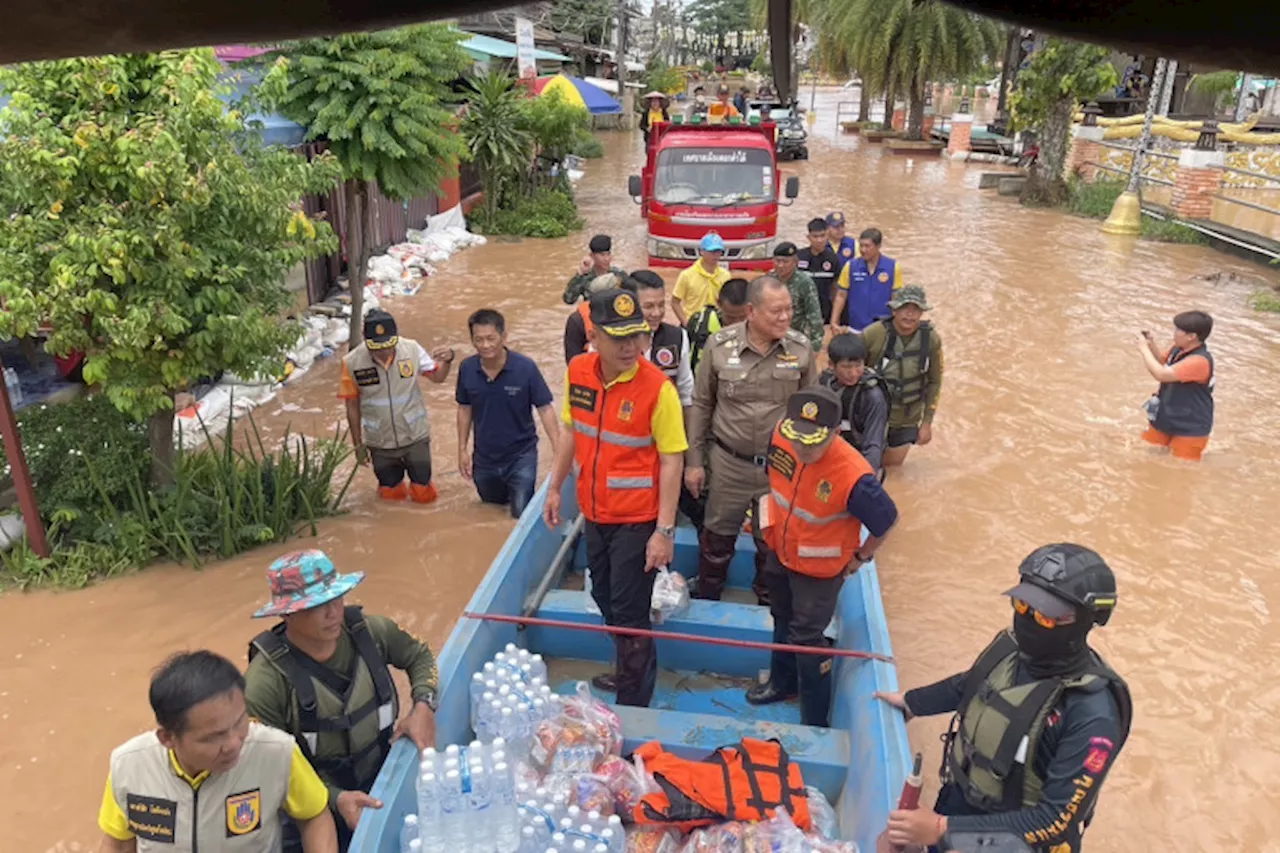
(865, 285)
(497, 392)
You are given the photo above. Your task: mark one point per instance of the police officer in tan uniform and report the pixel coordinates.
(745, 377)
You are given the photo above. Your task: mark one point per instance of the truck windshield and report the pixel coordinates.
(715, 176)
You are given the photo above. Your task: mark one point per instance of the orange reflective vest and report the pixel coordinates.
(584, 308)
(615, 458)
(742, 782)
(805, 516)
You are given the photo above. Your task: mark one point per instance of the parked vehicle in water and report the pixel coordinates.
(702, 177)
(792, 137)
(859, 763)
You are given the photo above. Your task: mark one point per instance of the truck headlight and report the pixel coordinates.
(757, 252)
(662, 249)
(794, 134)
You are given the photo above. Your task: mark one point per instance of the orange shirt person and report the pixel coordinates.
(722, 109)
(1180, 413)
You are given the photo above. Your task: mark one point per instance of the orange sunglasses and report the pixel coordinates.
(1043, 621)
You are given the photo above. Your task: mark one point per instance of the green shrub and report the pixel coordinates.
(1094, 200)
(587, 146)
(548, 213)
(1265, 299)
(1171, 231)
(224, 501)
(59, 438)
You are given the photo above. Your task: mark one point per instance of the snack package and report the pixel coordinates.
(628, 781)
(720, 838)
(559, 785)
(670, 595)
(592, 794)
(653, 840)
(577, 759)
(821, 814)
(601, 723)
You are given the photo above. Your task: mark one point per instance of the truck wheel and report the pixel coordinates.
(804, 153)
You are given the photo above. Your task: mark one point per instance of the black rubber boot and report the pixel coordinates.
(758, 584)
(606, 682)
(637, 670)
(815, 689)
(768, 693)
(715, 552)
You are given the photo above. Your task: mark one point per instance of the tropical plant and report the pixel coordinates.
(899, 46)
(148, 227)
(718, 18)
(499, 142)
(1218, 85)
(659, 77)
(1059, 75)
(555, 125)
(382, 103)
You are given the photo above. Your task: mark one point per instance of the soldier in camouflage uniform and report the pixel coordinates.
(806, 308)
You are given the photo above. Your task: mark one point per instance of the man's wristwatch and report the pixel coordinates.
(667, 530)
(857, 555)
(428, 698)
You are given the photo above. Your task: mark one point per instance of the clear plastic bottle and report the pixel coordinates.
(528, 839)
(539, 666)
(507, 724)
(475, 688)
(506, 818)
(413, 845)
(409, 831)
(600, 848)
(596, 820)
(428, 802)
(566, 825)
(587, 831)
(615, 841)
(480, 820)
(580, 846)
(453, 809)
(558, 841)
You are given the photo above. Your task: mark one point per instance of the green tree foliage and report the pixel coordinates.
(500, 144)
(719, 18)
(1221, 86)
(659, 77)
(591, 19)
(148, 227)
(382, 102)
(1060, 75)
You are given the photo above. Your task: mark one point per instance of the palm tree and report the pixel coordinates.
(900, 45)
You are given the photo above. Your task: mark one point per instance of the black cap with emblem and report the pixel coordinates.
(615, 312)
(600, 243)
(380, 330)
(812, 415)
(785, 250)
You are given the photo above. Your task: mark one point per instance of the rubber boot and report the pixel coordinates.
(758, 586)
(637, 670)
(397, 492)
(815, 689)
(422, 494)
(715, 552)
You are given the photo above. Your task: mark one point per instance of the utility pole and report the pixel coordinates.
(1246, 84)
(1126, 214)
(628, 104)
(1166, 96)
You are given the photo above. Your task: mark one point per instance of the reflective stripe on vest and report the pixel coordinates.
(992, 743)
(906, 384)
(615, 457)
(392, 411)
(236, 811)
(746, 782)
(1186, 408)
(344, 724)
(798, 515)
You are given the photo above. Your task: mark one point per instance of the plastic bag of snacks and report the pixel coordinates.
(592, 794)
(670, 595)
(599, 722)
(821, 815)
(653, 840)
(627, 780)
(721, 838)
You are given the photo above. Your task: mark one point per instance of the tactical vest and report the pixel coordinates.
(1186, 408)
(236, 811)
(392, 412)
(991, 747)
(905, 372)
(667, 348)
(849, 396)
(703, 325)
(344, 724)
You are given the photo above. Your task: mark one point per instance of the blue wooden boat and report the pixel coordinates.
(859, 763)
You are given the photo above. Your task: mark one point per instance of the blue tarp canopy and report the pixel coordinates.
(483, 48)
(576, 90)
(276, 129)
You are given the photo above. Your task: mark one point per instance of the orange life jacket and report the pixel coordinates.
(584, 309)
(745, 782)
(615, 457)
(805, 516)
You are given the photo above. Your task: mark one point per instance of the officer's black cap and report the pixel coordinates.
(785, 250)
(380, 330)
(615, 312)
(601, 243)
(812, 414)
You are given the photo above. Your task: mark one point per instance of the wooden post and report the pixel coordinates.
(21, 474)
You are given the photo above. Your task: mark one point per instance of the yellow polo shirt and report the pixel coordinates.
(668, 416)
(307, 796)
(696, 288)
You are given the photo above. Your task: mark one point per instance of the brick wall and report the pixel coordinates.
(1193, 191)
(961, 134)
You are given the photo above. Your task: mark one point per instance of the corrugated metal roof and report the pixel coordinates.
(483, 47)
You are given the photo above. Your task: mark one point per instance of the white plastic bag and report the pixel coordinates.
(670, 595)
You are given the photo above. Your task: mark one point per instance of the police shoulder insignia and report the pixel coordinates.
(824, 488)
(244, 812)
(406, 367)
(799, 337)
(726, 334)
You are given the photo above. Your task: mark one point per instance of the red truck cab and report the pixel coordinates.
(711, 177)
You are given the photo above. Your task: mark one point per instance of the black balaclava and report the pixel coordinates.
(1048, 652)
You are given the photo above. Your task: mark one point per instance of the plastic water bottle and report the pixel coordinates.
(558, 841)
(506, 818)
(430, 827)
(614, 841)
(580, 846)
(480, 820)
(507, 724)
(539, 666)
(453, 808)
(574, 814)
(596, 821)
(600, 848)
(409, 832)
(13, 385)
(475, 689)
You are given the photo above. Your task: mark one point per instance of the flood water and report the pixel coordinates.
(1036, 441)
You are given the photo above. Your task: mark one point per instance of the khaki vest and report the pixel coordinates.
(392, 413)
(232, 812)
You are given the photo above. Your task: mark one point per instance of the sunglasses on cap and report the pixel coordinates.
(1022, 609)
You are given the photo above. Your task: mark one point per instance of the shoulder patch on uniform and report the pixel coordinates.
(799, 337)
(725, 335)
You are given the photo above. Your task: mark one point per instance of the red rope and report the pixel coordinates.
(677, 635)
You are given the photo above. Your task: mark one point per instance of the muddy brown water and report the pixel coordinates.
(1036, 441)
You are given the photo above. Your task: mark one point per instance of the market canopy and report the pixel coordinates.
(483, 48)
(575, 90)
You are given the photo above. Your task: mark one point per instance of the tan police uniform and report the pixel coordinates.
(738, 397)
